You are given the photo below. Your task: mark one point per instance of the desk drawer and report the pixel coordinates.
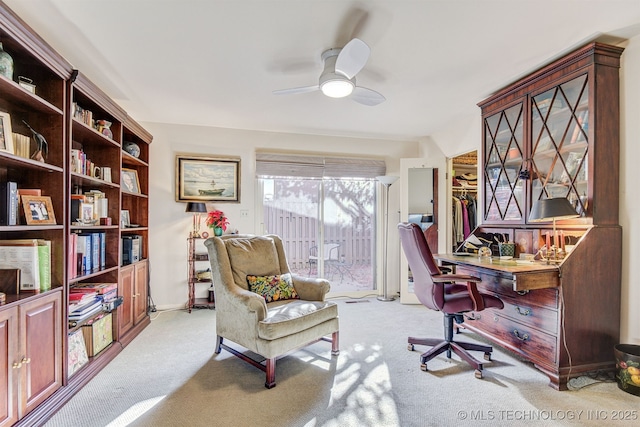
(520, 310)
(537, 346)
(502, 286)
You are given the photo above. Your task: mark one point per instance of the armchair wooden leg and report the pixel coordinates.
(270, 369)
(335, 345)
(218, 344)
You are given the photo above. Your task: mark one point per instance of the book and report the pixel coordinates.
(44, 259)
(84, 251)
(22, 254)
(9, 203)
(98, 288)
(103, 249)
(72, 265)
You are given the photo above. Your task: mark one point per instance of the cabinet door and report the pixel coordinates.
(560, 141)
(140, 291)
(126, 289)
(41, 335)
(504, 193)
(9, 374)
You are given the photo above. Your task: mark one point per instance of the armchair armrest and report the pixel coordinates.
(310, 289)
(244, 301)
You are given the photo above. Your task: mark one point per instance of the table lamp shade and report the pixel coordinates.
(196, 207)
(552, 209)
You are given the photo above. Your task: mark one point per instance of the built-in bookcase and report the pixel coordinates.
(84, 162)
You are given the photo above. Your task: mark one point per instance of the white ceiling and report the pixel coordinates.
(216, 62)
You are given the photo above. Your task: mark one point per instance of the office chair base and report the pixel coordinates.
(462, 349)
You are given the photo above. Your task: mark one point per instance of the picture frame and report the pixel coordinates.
(38, 210)
(6, 135)
(125, 219)
(207, 179)
(129, 181)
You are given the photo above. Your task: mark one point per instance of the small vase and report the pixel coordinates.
(6, 64)
(217, 231)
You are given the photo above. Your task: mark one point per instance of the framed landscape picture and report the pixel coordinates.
(207, 179)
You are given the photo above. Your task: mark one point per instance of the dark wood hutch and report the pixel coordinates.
(554, 133)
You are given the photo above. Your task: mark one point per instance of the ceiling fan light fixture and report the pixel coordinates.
(338, 88)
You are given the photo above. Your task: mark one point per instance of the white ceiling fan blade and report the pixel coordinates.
(366, 96)
(352, 58)
(293, 90)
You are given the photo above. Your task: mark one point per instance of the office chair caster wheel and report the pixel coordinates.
(487, 356)
(410, 347)
(478, 374)
(423, 367)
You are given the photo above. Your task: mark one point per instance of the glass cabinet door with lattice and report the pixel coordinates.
(560, 141)
(504, 192)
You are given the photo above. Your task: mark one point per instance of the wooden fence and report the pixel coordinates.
(299, 231)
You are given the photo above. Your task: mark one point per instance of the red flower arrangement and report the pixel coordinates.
(217, 219)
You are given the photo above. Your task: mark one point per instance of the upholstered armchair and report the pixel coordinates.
(261, 306)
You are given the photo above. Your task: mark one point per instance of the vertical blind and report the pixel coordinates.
(283, 165)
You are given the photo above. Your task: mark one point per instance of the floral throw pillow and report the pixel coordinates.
(273, 288)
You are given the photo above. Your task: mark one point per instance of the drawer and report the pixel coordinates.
(502, 286)
(520, 310)
(535, 345)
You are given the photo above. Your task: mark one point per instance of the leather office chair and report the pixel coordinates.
(452, 294)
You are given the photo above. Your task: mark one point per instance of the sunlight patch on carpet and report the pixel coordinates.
(134, 412)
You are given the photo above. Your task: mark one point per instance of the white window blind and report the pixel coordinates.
(282, 165)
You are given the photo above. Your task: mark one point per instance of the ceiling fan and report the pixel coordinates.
(338, 79)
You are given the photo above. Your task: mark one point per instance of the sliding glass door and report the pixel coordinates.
(327, 226)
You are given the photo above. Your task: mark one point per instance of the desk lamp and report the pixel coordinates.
(552, 209)
(196, 208)
(386, 181)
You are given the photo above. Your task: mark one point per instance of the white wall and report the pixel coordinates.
(465, 135)
(170, 225)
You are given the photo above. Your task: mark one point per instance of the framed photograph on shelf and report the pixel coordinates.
(125, 219)
(6, 137)
(130, 182)
(207, 179)
(38, 210)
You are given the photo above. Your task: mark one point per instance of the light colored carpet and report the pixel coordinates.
(170, 376)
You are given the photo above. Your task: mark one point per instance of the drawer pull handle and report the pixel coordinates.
(522, 292)
(524, 337)
(525, 312)
(16, 365)
(26, 360)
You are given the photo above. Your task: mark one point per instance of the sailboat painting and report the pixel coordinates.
(204, 179)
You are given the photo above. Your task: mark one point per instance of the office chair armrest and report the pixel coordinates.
(445, 278)
(472, 288)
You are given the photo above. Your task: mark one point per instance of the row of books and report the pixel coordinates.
(32, 257)
(80, 163)
(87, 253)
(21, 145)
(84, 115)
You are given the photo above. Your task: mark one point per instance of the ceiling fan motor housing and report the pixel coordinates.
(332, 83)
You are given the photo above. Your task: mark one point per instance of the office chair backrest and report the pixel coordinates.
(422, 266)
